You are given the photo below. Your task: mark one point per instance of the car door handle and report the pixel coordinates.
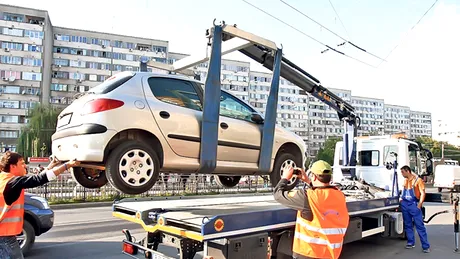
(223, 125)
(164, 114)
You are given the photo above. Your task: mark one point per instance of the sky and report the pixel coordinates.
(422, 72)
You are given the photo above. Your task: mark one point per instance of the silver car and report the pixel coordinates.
(136, 125)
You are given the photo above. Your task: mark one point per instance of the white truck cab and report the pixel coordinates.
(375, 156)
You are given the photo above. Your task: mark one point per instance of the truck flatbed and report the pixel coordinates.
(209, 218)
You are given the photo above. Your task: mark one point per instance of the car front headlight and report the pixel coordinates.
(43, 201)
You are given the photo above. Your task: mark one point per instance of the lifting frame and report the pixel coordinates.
(226, 39)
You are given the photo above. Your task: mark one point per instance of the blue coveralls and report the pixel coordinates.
(411, 213)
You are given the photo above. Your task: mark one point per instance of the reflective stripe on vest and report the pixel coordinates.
(324, 231)
(317, 241)
(322, 237)
(11, 217)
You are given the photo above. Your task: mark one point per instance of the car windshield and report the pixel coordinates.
(112, 83)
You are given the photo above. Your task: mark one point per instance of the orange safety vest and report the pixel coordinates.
(11, 217)
(322, 237)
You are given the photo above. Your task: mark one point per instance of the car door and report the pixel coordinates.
(177, 109)
(239, 136)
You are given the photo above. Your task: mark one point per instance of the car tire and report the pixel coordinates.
(85, 180)
(29, 237)
(122, 178)
(281, 161)
(226, 181)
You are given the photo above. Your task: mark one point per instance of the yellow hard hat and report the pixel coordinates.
(321, 167)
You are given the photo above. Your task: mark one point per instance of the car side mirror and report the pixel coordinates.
(255, 117)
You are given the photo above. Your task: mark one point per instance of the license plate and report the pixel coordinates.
(64, 120)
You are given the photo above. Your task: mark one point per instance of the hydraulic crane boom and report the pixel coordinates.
(225, 39)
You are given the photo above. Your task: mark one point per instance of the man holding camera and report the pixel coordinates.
(322, 218)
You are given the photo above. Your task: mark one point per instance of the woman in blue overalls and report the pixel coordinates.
(412, 214)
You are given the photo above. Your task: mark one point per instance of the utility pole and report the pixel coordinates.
(442, 150)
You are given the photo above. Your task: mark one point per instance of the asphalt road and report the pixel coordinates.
(94, 233)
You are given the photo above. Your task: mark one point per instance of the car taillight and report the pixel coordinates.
(128, 248)
(100, 105)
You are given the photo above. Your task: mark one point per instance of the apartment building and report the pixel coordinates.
(397, 119)
(420, 124)
(84, 59)
(24, 67)
(371, 111)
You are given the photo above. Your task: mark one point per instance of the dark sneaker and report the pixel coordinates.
(410, 246)
(426, 250)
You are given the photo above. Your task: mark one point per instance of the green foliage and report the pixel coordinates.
(35, 137)
(326, 153)
(450, 151)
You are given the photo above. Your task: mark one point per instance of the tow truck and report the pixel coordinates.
(251, 226)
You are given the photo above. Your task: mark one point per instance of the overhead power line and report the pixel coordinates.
(333, 8)
(319, 42)
(407, 33)
(347, 41)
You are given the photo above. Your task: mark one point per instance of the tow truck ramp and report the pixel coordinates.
(242, 226)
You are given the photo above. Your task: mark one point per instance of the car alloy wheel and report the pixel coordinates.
(136, 167)
(22, 239)
(286, 164)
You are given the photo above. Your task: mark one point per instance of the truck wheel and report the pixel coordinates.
(133, 167)
(27, 238)
(88, 177)
(281, 162)
(439, 189)
(226, 181)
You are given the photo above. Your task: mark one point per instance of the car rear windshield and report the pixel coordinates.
(112, 83)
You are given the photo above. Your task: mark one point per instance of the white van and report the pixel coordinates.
(375, 156)
(447, 177)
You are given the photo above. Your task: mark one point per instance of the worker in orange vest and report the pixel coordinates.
(13, 181)
(322, 217)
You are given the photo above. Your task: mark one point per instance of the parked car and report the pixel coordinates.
(38, 219)
(137, 124)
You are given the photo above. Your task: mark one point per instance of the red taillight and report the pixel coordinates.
(128, 248)
(100, 105)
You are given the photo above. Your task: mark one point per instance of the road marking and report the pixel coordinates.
(88, 222)
(112, 238)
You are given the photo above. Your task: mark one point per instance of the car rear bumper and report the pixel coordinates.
(83, 143)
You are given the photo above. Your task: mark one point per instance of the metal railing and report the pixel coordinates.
(65, 189)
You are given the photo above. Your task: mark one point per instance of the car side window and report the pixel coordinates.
(233, 108)
(175, 91)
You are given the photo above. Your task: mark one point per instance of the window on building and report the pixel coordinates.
(12, 60)
(34, 34)
(9, 104)
(8, 134)
(12, 32)
(31, 76)
(10, 89)
(10, 74)
(32, 62)
(176, 92)
(11, 45)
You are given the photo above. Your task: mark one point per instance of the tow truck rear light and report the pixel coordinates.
(128, 248)
(100, 105)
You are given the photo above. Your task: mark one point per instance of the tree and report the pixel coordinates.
(326, 153)
(450, 151)
(35, 137)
